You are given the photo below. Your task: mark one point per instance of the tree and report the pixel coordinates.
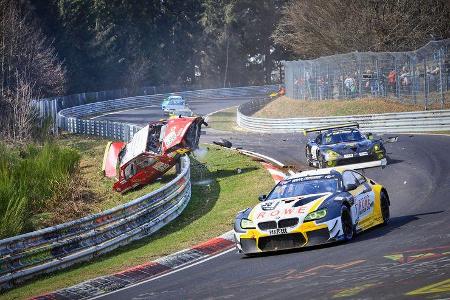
(324, 27)
(29, 70)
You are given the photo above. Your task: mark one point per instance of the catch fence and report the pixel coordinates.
(415, 77)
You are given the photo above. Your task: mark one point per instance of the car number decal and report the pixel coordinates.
(277, 231)
(168, 140)
(348, 155)
(363, 153)
(160, 166)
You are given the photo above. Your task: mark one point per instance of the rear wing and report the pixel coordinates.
(360, 166)
(318, 129)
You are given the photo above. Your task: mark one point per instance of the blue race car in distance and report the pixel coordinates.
(342, 144)
(173, 103)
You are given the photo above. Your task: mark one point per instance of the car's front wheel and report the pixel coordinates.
(385, 213)
(347, 224)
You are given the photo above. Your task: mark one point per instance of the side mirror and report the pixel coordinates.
(350, 187)
(370, 135)
(262, 197)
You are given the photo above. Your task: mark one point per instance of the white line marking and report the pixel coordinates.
(120, 111)
(217, 111)
(165, 274)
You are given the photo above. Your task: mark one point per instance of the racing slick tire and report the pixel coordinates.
(308, 156)
(384, 203)
(347, 224)
(321, 160)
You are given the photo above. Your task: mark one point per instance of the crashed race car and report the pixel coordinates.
(342, 144)
(153, 150)
(311, 208)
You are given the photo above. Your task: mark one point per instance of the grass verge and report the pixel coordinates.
(218, 193)
(285, 107)
(41, 186)
(32, 180)
(224, 120)
(96, 186)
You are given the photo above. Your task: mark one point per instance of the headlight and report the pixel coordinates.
(331, 155)
(247, 224)
(318, 214)
(376, 147)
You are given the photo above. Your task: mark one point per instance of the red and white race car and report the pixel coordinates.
(153, 150)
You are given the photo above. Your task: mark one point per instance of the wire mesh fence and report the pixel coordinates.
(416, 77)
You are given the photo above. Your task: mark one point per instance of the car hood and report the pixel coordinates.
(284, 208)
(349, 147)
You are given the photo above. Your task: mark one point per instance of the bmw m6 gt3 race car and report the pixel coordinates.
(310, 208)
(342, 144)
(152, 151)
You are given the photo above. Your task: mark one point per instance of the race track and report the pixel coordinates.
(409, 258)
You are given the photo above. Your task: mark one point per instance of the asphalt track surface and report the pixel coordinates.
(409, 258)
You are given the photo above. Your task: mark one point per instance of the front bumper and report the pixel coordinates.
(355, 158)
(305, 235)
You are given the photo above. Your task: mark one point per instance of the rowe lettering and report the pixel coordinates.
(286, 211)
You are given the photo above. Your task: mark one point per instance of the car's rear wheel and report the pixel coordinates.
(347, 224)
(385, 213)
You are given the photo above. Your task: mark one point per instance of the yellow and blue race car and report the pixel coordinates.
(342, 144)
(310, 208)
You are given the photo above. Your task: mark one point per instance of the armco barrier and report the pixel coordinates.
(72, 119)
(57, 247)
(419, 121)
(53, 248)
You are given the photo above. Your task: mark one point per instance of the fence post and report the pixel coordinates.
(55, 117)
(358, 58)
(441, 82)
(378, 76)
(397, 79)
(426, 83)
(414, 78)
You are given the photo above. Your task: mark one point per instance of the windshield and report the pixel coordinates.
(176, 102)
(295, 187)
(342, 137)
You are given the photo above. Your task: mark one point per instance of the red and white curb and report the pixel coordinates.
(276, 174)
(107, 284)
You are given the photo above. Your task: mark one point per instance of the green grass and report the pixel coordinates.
(96, 186)
(32, 178)
(62, 180)
(224, 120)
(285, 107)
(210, 212)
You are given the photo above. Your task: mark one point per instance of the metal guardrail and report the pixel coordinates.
(420, 121)
(43, 251)
(70, 119)
(57, 247)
